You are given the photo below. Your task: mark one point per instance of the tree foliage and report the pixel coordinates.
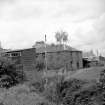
(61, 36)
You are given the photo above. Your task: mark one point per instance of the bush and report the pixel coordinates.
(51, 92)
(102, 79)
(90, 93)
(77, 92)
(68, 88)
(74, 92)
(9, 76)
(37, 87)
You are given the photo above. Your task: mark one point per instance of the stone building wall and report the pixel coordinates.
(80, 60)
(59, 59)
(102, 60)
(70, 60)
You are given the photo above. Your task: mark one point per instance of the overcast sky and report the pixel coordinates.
(22, 22)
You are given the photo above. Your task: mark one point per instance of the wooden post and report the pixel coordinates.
(45, 72)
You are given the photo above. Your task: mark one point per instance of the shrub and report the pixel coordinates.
(102, 79)
(51, 92)
(68, 88)
(9, 76)
(90, 93)
(37, 86)
(77, 92)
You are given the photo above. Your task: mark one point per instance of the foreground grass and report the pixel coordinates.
(74, 91)
(20, 95)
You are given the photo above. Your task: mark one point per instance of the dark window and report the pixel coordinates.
(37, 55)
(71, 63)
(16, 54)
(43, 54)
(77, 64)
(7, 54)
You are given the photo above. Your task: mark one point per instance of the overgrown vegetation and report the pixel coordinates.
(9, 76)
(77, 92)
(40, 63)
(58, 90)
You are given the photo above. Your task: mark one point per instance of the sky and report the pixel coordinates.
(23, 22)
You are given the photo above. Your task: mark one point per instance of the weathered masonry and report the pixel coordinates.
(57, 57)
(25, 60)
(70, 60)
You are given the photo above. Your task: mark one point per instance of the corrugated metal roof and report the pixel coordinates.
(17, 50)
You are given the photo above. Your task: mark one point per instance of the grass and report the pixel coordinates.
(20, 95)
(87, 74)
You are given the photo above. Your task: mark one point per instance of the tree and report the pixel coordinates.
(61, 37)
